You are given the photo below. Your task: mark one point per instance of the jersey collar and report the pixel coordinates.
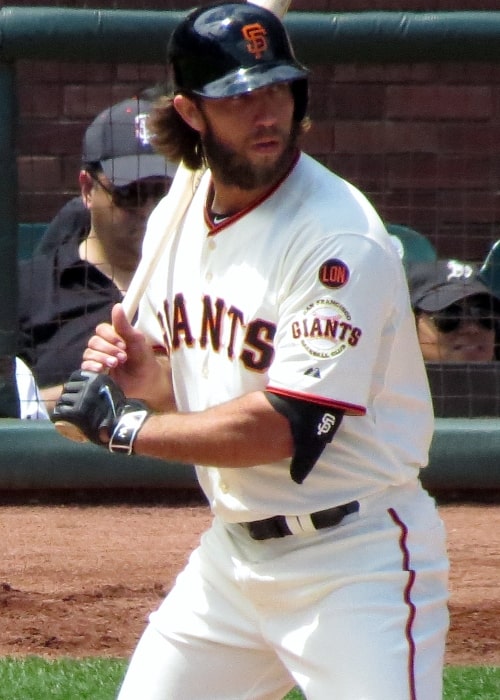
(216, 224)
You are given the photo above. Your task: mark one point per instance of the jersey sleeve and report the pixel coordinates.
(336, 310)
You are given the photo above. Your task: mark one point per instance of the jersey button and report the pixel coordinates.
(209, 276)
(224, 487)
(211, 244)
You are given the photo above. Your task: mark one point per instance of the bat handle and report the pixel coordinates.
(279, 7)
(181, 192)
(137, 287)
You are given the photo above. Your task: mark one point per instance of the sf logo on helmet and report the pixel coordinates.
(255, 36)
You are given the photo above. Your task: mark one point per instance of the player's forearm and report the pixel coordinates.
(241, 433)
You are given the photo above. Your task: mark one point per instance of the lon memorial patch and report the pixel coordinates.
(334, 273)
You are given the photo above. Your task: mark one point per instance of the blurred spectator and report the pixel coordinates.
(92, 248)
(31, 404)
(19, 395)
(71, 221)
(456, 313)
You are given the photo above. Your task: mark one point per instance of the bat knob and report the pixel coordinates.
(70, 431)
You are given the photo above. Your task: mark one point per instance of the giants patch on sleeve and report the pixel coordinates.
(325, 329)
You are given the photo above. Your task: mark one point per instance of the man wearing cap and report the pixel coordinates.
(456, 314)
(88, 257)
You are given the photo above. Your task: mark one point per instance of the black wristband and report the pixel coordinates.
(126, 429)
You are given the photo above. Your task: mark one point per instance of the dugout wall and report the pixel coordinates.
(337, 45)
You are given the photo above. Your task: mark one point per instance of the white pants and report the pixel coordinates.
(353, 612)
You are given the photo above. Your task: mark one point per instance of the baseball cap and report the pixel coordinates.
(436, 285)
(119, 140)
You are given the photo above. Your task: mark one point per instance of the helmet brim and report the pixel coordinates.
(245, 80)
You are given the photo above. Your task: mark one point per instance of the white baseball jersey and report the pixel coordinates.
(303, 294)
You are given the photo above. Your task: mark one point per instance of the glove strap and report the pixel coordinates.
(125, 431)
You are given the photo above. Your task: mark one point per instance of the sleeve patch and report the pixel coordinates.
(325, 329)
(334, 273)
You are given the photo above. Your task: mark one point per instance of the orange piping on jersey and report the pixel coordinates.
(350, 409)
(213, 229)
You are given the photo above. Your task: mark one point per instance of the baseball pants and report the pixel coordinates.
(353, 612)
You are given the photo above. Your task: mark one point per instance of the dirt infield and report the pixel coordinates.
(79, 580)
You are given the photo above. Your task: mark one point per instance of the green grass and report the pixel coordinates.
(472, 683)
(32, 678)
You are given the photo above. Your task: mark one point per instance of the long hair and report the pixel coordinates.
(172, 137)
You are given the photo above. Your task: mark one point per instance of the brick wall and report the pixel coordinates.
(421, 140)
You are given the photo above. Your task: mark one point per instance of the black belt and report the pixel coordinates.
(283, 525)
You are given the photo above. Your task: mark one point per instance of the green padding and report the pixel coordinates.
(416, 248)
(138, 36)
(34, 456)
(465, 454)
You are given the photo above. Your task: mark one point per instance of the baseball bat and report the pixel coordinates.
(279, 7)
(176, 204)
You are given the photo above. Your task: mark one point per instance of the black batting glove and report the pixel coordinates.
(93, 407)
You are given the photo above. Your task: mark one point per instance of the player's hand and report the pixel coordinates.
(93, 407)
(115, 344)
(122, 350)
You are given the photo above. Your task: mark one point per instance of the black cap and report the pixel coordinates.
(119, 140)
(436, 285)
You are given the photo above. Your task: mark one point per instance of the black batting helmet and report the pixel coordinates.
(228, 49)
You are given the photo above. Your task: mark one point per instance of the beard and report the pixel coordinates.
(230, 168)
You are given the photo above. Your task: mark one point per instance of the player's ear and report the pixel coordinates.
(190, 112)
(86, 184)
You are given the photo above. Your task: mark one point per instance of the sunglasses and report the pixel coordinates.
(449, 319)
(135, 195)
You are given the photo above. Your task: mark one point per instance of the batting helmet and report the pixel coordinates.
(229, 49)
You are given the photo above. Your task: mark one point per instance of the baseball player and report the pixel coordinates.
(275, 349)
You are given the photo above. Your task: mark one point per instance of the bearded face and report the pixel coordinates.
(233, 167)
